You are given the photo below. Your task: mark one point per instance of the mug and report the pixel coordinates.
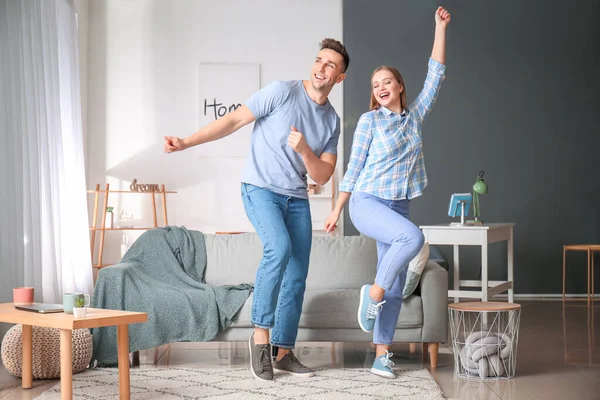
(69, 301)
(23, 296)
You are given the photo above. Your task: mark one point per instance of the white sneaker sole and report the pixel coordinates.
(252, 368)
(362, 296)
(284, 371)
(383, 374)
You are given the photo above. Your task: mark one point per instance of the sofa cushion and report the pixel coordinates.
(232, 259)
(336, 309)
(415, 270)
(346, 262)
(342, 263)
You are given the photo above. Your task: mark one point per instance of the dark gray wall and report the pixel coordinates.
(520, 101)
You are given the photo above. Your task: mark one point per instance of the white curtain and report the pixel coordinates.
(44, 237)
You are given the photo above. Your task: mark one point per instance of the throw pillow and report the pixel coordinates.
(415, 269)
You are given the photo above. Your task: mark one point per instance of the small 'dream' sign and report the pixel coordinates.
(143, 187)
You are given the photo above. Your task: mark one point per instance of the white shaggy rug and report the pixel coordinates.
(237, 383)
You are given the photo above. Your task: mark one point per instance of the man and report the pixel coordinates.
(296, 132)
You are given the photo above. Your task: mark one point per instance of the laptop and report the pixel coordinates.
(41, 308)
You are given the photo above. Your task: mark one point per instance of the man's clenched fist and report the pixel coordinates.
(297, 141)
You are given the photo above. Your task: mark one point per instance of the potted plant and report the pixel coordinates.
(108, 223)
(79, 307)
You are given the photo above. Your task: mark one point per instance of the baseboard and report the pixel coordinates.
(547, 296)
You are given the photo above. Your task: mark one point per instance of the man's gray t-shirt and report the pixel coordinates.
(272, 164)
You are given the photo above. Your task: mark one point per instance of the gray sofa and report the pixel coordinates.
(338, 268)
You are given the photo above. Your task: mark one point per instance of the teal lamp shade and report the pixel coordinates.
(479, 187)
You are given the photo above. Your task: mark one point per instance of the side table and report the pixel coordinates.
(66, 323)
(475, 235)
(590, 249)
(485, 336)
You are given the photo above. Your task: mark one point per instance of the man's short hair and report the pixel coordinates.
(336, 46)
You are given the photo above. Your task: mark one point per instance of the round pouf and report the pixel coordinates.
(46, 351)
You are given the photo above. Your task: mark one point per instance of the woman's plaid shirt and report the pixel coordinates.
(386, 159)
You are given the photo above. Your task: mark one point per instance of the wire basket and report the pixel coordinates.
(485, 336)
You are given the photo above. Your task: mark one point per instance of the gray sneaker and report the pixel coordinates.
(289, 364)
(260, 360)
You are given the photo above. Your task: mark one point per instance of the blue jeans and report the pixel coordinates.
(398, 242)
(284, 226)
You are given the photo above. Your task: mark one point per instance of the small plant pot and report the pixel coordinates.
(79, 312)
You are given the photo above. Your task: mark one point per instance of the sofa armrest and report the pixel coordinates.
(114, 272)
(433, 287)
(108, 279)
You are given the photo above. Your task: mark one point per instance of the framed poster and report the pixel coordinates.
(224, 87)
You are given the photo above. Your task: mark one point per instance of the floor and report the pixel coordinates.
(552, 363)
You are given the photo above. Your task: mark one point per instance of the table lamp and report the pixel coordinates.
(479, 187)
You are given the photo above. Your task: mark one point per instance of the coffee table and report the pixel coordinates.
(66, 323)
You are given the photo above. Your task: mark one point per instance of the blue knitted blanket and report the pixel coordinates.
(162, 274)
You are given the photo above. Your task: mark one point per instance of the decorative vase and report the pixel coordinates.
(108, 222)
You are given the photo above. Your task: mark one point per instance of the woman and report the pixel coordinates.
(386, 170)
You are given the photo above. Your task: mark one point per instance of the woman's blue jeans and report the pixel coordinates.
(398, 242)
(284, 226)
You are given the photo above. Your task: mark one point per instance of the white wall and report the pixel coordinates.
(142, 82)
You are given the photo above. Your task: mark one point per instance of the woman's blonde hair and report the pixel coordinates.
(374, 104)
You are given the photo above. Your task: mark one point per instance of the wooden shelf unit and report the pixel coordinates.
(163, 193)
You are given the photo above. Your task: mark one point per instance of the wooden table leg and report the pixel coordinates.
(564, 270)
(593, 289)
(66, 364)
(123, 356)
(27, 340)
(589, 261)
